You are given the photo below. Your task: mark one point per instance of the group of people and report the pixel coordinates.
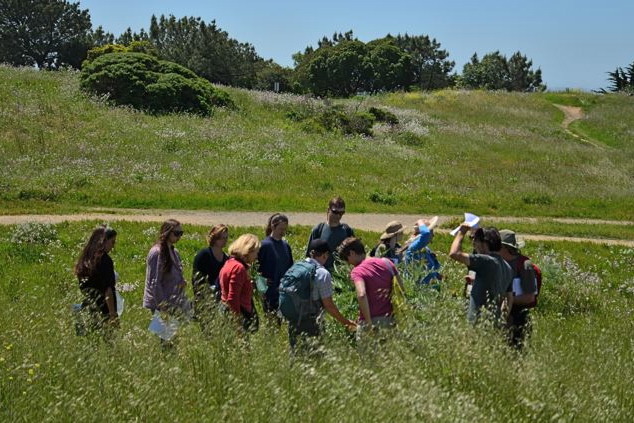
(504, 281)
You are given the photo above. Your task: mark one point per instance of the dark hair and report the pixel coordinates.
(350, 244)
(166, 229)
(93, 251)
(490, 236)
(275, 220)
(337, 202)
(215, 232)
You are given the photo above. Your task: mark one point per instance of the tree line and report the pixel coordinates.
(51, 34)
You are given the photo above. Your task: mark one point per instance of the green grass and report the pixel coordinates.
(489, 153)
(578, 366)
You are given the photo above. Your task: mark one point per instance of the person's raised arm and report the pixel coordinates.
(455, 252)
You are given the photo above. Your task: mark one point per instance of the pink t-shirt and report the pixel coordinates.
(377, 274)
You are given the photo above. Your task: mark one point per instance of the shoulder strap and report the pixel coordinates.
(348, 229)
(320, 229)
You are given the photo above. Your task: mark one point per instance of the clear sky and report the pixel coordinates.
(574, 42)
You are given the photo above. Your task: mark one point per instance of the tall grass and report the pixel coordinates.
(491, 153)
(577, 367)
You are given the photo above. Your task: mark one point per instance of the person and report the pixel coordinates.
(321, 295)
(417, 249)
(206, 268)
(275, 258)
(235, 284)
(164, 281)
(332, 231)
(97, 278)
(524, 288)
(388, 245)
(493, 276)
(373, 281)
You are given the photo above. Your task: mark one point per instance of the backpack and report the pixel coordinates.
(295, 289)
(519, 265)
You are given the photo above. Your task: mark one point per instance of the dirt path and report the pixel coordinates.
(366, 221)
(571, 114)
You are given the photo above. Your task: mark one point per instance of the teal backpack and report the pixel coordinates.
(295, 289)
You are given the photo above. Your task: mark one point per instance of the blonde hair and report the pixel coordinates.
(244, 245)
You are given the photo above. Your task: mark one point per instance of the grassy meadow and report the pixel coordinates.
(578, 365)
(489, 153)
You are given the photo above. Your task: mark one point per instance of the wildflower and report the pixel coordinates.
(31, 372)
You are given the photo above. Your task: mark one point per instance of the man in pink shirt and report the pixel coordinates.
(372, 278)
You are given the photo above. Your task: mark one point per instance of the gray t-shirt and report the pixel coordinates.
(487, 280)
(322, 284)
(506, 277)
(333, 236)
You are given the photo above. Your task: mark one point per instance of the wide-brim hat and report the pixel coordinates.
(392, 229)
(509, 238)
(429, 223)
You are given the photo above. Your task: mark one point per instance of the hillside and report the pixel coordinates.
(490, 153)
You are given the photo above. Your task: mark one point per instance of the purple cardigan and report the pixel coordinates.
(161, 287)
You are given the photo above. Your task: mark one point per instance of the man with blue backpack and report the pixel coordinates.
(305, 291)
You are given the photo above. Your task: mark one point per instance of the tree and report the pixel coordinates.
(495, 72)
(622, 80)
(341, 70)
(430, 66)
(44, 33)
(206, 49)
(391, 66)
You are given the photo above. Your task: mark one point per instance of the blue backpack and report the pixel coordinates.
(295, 289)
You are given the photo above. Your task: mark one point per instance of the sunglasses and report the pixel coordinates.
(178, 233)
(338, 212)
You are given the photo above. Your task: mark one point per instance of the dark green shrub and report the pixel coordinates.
(387, 198)
(145, 83)
(95, 52)
(359, 123)
(381, 115)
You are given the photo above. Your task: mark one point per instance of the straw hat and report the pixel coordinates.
(392, 229)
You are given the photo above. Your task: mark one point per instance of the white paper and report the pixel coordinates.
(517, 288)
(164, 329)
(120, 303)
(470, 220)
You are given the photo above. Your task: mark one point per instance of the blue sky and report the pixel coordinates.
(575, 43)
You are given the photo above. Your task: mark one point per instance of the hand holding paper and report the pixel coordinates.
(470, 220)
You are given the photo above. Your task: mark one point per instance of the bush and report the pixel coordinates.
(145, 83)
(381, 115)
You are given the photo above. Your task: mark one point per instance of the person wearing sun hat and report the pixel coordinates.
(416, 249)
(388, 245)
(524, 287)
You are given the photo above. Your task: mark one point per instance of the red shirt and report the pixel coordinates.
(377, 274)
(235, 285)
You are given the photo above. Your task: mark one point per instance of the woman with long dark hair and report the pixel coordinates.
(275, 258)
(96, 275)
(164, 280)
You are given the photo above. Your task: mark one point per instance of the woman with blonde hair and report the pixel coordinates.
(274, 259)
(207, 265)
(235, 284)
(164, 280)
(96, 275)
